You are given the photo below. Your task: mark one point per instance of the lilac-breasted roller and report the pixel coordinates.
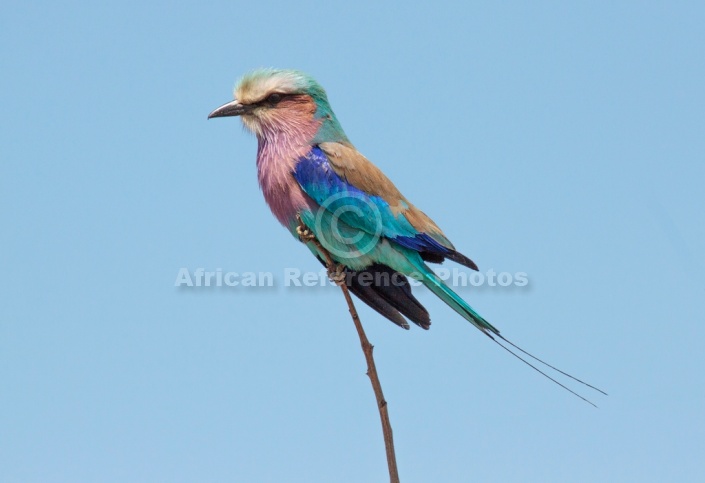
(312, 175)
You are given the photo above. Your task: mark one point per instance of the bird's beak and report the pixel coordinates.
(234, 108)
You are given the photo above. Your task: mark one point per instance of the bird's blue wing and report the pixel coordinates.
(359, 209)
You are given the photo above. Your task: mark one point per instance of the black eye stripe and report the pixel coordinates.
(274, 98)
(271, 100)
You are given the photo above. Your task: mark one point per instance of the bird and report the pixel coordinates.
(328, 195)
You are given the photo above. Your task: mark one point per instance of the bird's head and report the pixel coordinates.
(272, 102)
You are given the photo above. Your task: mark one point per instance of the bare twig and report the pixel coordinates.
(367, 348)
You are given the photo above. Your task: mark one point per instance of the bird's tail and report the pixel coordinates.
(454, 301)
(445, 293)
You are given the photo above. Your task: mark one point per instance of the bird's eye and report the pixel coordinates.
(274, 98)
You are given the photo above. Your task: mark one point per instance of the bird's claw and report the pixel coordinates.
(305, 235)
(336, 274)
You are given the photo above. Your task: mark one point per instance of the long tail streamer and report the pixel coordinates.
(547, 365)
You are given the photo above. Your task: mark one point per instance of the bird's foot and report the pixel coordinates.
(336, 274)
(305, 235)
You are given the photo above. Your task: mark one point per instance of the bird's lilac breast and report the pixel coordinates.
(283, 194)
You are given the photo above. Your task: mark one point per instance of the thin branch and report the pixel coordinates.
(367, 349)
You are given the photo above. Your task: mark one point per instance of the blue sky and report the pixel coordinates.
(560, 140)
